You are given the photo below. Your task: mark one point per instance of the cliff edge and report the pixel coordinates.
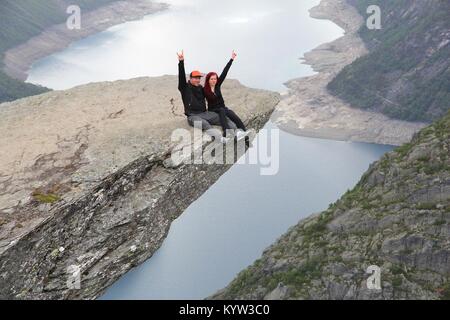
(84, 181)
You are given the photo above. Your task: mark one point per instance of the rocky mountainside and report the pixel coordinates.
(310, 109)
(397, 218)
(406, 74)
(32, 29)
(86, 180)
(21, 20)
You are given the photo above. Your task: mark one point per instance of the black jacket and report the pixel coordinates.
(217, 102)
(193, 97)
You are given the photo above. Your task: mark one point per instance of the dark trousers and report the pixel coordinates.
(206, 119)
(226, 115)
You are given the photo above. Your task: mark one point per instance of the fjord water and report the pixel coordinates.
(269, 36)
(228, 227)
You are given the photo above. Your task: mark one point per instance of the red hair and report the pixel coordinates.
(208, 91)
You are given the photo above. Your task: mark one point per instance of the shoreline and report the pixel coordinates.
(308, 109)
(17, 61)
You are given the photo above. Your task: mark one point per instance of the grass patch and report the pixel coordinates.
(397, 282)
(316, 230)
(404, 149)
(297, 277)
(440, 222)
(445, 292)
(45, 197)
(426, 206)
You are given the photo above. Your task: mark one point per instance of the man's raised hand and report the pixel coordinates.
(233, 55)
(180, 55)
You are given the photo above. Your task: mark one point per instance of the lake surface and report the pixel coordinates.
(230, 225)
(227, 228)
(269, 37)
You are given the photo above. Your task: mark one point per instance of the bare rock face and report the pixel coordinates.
(85, 181)
(397, 218)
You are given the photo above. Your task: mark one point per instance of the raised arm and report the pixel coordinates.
(181, 72)
(223, 76)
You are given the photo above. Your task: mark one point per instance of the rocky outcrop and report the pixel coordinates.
(397, 218)
(310, 110)
(86, 180)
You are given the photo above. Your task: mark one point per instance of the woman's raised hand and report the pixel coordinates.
(233, 55)
(180, 55)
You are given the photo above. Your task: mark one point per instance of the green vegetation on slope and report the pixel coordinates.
(21, 20)
(12, 89)
(406, 75)
(397, 217)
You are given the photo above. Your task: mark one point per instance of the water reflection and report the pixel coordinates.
(270, 37)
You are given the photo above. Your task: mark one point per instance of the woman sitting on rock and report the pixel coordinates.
(216, 102)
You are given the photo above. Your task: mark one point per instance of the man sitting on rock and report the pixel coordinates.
(194, 101)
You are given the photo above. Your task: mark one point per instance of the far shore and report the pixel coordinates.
(18, 60)
(308, 109)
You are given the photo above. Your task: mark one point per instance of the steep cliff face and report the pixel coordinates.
(86, 180)
(406, 74)
(396, 218)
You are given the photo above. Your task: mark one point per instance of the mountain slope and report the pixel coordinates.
(12, 89)
(397, 218)
(41, 25)
(21, 20)
(406, 74)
